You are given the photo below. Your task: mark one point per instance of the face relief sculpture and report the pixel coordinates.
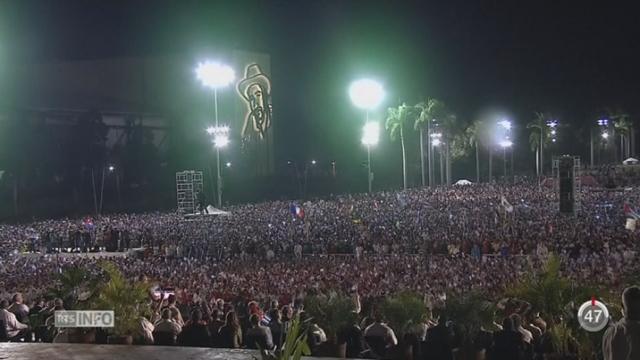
(255, 90)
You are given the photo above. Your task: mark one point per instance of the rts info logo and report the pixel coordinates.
(88, 318)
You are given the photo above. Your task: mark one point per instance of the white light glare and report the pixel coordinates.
(436, 142)
(506, 143)
(370, 133)
(111, 168)
(505, 124)
(366, 93)
(214, 75)
(221, 140)
(228, 164)
(605, 135)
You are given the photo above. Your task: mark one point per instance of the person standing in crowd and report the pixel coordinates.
(508, 343)
(15, 329)
(439, 341)
(167, 326)
(215, 323)
(621, 341)
(172, 305)
(195, 332)
(379, 336)
(230, 335)
(19, 309)
(258, 336)
(277, 327)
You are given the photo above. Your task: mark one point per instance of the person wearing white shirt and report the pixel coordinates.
(15, 329)
(380, 330)
(18, 308)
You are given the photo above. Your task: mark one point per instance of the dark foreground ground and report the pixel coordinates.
(21, 351)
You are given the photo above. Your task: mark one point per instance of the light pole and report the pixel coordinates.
(505, 144)
(435, 140)
(215, 75)
(367, 94)
(220, 136)
(602, 125)
(111, 169)
(370, 135)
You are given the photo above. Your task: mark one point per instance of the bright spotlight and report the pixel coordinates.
(228, 164)
(603, 122)
(436, 142)
(111, 168)
(214, 75)
(211, 130)
(506, 143)
(221, 140)
(605, 135)
(366, 93)
(505, 124)
(313, 162)
(553, 132)
(370, 133)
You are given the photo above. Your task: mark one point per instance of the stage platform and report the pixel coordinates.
(40, 351)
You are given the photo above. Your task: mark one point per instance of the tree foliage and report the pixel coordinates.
(403, 311)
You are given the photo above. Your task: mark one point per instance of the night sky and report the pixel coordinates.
(567, 57)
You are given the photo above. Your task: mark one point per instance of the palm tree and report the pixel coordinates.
(472, 134)
(623, 126)
(397, 119)
(429, 111)
(538, 138)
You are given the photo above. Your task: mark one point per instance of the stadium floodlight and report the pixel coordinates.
(506, 124)
(214, 75)
(228, 164)
(221, 140)
(220, 135)
(111, 168)
(370, 133)
(603, 122)
(313, 162)
(605, 135)
(506, 143)
(436, 139)
(366, 93)
(552, 123)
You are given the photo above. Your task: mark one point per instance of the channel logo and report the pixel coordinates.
(84, 318)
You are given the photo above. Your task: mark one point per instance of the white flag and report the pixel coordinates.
(505, 204)
(631, 224)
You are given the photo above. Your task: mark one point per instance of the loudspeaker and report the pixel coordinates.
(566, 178)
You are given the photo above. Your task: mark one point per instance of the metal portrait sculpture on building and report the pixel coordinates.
(255, 90)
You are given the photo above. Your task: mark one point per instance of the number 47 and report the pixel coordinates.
(589, 315)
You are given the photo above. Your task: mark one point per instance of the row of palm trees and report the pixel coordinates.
(438, 126)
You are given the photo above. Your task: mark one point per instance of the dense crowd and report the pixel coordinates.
(439, 241)
(448, 226)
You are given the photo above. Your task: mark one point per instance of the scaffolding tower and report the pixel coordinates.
(188, 185)
(575, 173)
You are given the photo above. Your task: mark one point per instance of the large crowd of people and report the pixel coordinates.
(432, 241)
